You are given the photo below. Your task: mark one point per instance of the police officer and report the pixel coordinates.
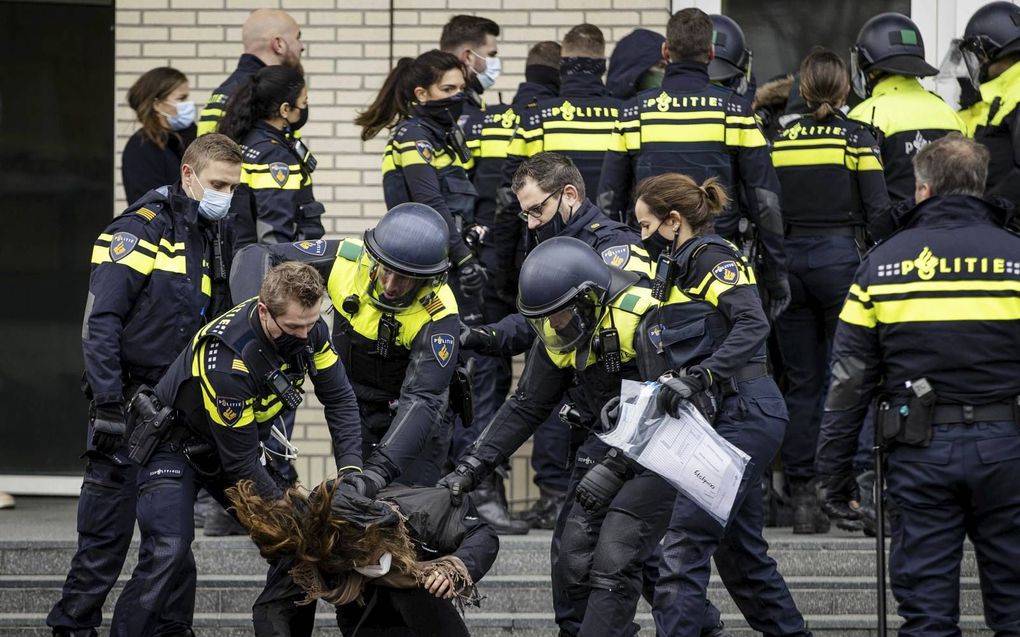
(395, 321)
(636, 64)
(270, 36)
(158, 272)
(934, 308)
(473, 40)
(276, 204)
(711, 332)
(208, 417)
(885, 65)
(830, 169)
(718, 136)
(579, 122)
(426, 157)
(991, 45)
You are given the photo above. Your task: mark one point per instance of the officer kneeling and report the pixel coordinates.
(206, 421)
(931, 328)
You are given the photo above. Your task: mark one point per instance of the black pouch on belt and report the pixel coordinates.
(917, 423)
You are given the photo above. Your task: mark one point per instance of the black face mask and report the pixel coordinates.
(302, 119)
(656, 243)
(288, 345)
(445, 112)
(554, 226)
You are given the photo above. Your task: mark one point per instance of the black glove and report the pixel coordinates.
(779, 298)
(463, 479)
(108, 428)
(677, 388)
(367, 483)
(600, 485)
(840, 492)
(610, 414)
(472, 278)
(474, 236)
(481, 338)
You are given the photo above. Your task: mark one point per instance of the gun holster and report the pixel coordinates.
(151, 423)
(462, 400)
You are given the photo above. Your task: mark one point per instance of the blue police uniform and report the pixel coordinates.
(275, 202)
(152, 259)
(225, 404)
(209, 119)
(712, 318)
(831, 175)
(938, 301)
(697, 128)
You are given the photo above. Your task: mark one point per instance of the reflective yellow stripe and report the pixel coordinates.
(948, 309)
(823, 141)
(671, 133)
(808, 157)
(745, 137)
(137, 261)
(941, 286)
(855, 313)
(606, 126)
(325, 358)
(856, 291)
(258, 177)
(206, 285)
(558, 142)
(684, 115)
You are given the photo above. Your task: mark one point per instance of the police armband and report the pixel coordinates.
(152, 424)
(665, 271)
(386, 335)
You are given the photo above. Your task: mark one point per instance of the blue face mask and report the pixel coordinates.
(184, 117)
(214, 205)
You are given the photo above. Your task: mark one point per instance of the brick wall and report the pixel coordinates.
(346, 58)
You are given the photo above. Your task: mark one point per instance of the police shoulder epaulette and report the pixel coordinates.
(349, 250)
(432, 303)
(149, 213)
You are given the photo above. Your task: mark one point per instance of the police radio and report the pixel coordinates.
(290, 395)
(607, 346)
(455, 140)
(665, 271)
(387, 334)
(307, 158)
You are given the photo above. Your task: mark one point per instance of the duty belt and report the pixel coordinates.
(751, 371)
(946, 413)
(821, 231)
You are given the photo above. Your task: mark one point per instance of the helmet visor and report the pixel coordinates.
(974, 55)
(858, 78)
(568, 328)
(392, 290)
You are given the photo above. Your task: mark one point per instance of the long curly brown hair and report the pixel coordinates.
(304, 526)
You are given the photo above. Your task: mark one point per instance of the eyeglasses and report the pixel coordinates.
(536, 211)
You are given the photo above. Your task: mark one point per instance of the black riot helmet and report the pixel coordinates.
(405, 253)
(732, 57)
(889, 42)
(992, 33)
(562, 284)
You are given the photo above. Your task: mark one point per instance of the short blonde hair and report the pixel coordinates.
(291, 281)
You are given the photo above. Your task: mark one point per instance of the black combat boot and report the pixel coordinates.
(808, 517)
(219, 523)
(542, 514)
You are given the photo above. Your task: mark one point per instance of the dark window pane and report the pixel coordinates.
(56, 194)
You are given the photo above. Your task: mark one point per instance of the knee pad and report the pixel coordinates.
(577, 548)
(623, 545)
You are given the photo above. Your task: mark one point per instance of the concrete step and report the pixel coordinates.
(834, 555)
(499, 625)
(220, 594)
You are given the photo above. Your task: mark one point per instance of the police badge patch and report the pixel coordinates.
(616, 256)
(122, 244)
(426, 151)
(229, 409)
(727, 272)
(442, 347)
(655, 336)
(279, 171)
(316, 248)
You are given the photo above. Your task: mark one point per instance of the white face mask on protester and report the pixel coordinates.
(373, 571)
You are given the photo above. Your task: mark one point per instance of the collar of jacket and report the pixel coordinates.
(528, 92)
(685, 76)
(181, 204)
(431, 127)
(1006, 88)
(272, 131)
(581, 84)
(249, 62)
(894, 83)
(586, 214)
(957, 210)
